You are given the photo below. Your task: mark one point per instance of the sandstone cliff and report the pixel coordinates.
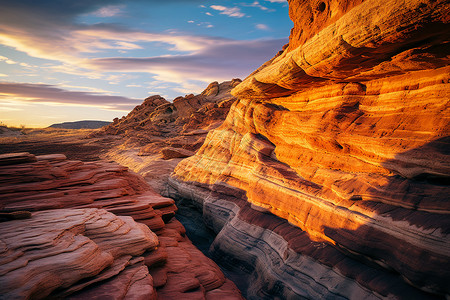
(329, 177)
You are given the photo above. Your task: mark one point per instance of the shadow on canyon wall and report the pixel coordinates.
(380, 260)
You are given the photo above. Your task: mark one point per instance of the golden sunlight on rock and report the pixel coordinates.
(322, 175)
(345, 135)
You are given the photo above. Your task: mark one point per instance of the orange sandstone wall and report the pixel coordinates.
(345, 135)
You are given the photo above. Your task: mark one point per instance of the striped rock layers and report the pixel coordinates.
(342, 141)
(87, 230)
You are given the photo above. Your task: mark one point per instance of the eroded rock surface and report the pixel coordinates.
(96, 230)
(345, 135)
(158, 122)
(54, 250)
(155, 135)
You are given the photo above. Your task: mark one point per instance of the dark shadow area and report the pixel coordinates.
(417, 196)
(202, 237)
(192, 219)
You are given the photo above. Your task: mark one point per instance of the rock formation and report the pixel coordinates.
(63, 251)
(329, 177)
(83, 230)
(157, 121)
(155, 135)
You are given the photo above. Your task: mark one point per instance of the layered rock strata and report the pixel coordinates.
(34, 183)
(88, 235)
(344, 135)
(155, 135)
(63, 251)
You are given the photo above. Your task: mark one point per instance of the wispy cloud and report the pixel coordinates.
(234, 12)
(216, 61)
(262, 27)
(44, 93)
(224, 58)
(258, 5)
(50, 30)
(109, 11)
(201, 24)
(7, 60)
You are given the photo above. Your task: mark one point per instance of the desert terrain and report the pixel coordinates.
(322, 175)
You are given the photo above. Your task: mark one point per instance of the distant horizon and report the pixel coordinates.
(2, 123)
(71, 61)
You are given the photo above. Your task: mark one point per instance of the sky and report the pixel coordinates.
(71, 60)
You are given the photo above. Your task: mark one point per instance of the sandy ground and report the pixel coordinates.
(75, 144)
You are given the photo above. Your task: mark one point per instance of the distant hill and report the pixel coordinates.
(81, 125)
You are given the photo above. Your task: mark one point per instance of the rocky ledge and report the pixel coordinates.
(329, 177)
(72, 229)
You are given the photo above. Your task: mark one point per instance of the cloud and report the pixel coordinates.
(77, 41)
(221, 60)
(35, 27)
(209, 14)
(258, 5)
(7, 60)
(234, 12)
(109, 11)
(49, 30)
(127, 45)
(262, 27)
(44, 93)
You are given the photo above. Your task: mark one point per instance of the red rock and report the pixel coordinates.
(223, 294)
(159, 275)
(133, 283)
(57, 248)
(170, 152)
(156, 258)
(89, 252)
(342, 134)
(162, 118)
(13, 158)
